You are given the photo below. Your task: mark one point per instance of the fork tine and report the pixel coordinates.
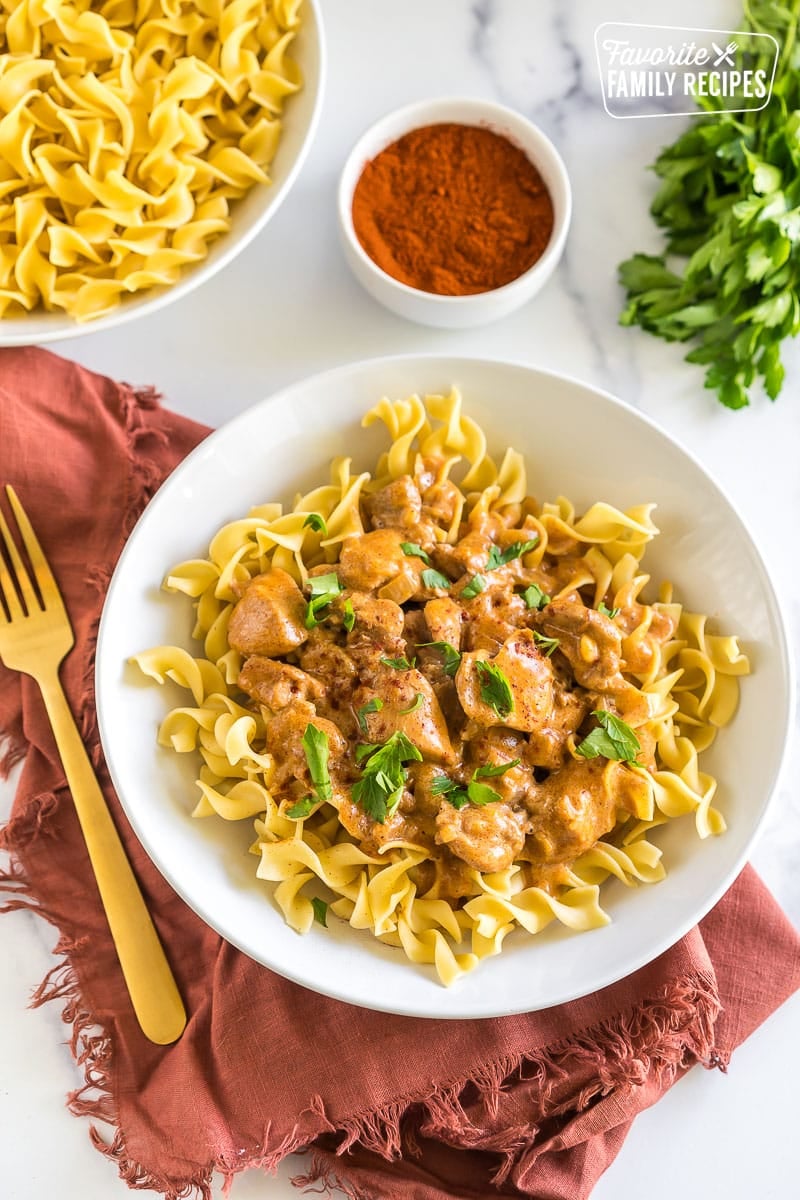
(22, 577)
(41, 568)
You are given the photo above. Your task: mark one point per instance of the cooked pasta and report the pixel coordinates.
(127, 130)
(449, 708)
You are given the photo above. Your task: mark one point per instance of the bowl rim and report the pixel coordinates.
(490, 112)
(783, 652)
(14, 331)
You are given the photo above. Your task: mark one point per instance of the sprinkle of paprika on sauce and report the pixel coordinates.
(452, 209)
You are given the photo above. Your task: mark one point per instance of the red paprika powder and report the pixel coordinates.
(453, 209)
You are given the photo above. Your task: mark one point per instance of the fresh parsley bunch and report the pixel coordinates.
(729, 204)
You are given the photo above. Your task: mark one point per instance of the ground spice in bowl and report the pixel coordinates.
(452, 209)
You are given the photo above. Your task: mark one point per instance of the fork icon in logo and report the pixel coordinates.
(726, 55)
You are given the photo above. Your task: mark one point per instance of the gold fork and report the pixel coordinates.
(35, 637)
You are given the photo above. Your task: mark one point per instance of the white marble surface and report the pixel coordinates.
(287, 308)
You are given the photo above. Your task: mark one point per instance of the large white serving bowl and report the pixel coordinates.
(248, 215)
(579, 442)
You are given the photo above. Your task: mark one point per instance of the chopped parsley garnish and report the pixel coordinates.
(415, 704)
(612, 738)
(315, 745)
(489, 772)
(546, 644)
(607, 612)
(316, 521)
(534, 597)
(349, 618)
(320, 908)
(380, 788)
(501, 558)
(495, 689)
(475, 586)
(432, 578)
(475, 792)
(398, 664)
(303, 808)
(452, 658)
(481, 793)
(372, 706)
(415, 551)
(324, 588)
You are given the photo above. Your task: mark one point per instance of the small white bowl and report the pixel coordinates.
(248, 217)
(430, 308)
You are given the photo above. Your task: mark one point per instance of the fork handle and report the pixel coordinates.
(151, 984)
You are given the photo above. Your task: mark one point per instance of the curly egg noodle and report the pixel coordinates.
(127, 128)
(679, 689)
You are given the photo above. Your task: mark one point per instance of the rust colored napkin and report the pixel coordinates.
(404, 1109)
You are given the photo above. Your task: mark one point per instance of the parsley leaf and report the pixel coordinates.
(612, 738)
(607, 612)
(415, 551)
(416, 703)
(727, 206)
(303, 808)
(432, 578)
(324, 588)
(380, 788)
(443, 784)
(320, 908)
(501, 558)
(373, 705)
(398, 664)
(481, 793)
(547, 644)
(495, 689)
(349, 618)
(534, 597)
(316, 521)
(475, 586)
(489, 772)
(315, 745)
(452, 657)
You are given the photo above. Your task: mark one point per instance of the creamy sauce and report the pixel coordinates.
(551, 806)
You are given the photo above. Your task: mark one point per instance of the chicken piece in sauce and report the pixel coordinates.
(529, 675)
(409, 704)
(269, 618)
(487, 837)
(276, 684)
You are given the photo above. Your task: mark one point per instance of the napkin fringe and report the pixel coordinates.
(647, 1045)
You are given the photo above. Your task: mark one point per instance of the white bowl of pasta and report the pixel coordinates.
(140, 171)
(433, 757)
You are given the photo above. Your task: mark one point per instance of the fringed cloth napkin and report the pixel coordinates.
(534, 1105)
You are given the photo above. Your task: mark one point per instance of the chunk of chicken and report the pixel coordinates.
(530, 679)
(445, 620)
(284, 738)
(276, 684)
(326, 660)
(498, 747)
(269, 618)
(492, 617)
(572, 810)
(372, 559)
(397, 504)
(379, 622)
(424, 725)
(487, 837)
(588, 640)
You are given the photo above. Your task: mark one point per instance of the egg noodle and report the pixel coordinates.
(686, 689)
(127, 128)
